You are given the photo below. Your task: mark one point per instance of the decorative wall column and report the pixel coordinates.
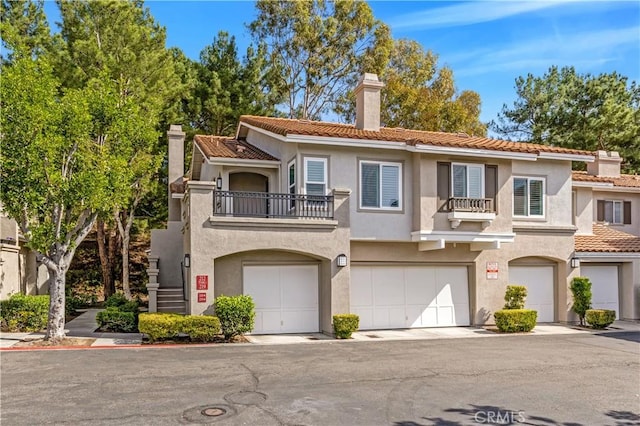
(153, 284)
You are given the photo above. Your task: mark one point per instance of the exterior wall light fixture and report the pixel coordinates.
(341, 260)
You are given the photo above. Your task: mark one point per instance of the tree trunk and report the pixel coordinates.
(112, 247)
(55, 323)
(105, 265)
(125, 267)
(125, 233)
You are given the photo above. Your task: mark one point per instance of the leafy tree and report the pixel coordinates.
(317, 49)
(419, 95)
(581, 111)
(228, 87)
(120, 41)
(24, 28)
(55, 173)
(581, 290)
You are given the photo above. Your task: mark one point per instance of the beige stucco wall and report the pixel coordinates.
(209, 239)
(585, 210)
(166, 245)
(634, 227)
(9, 271)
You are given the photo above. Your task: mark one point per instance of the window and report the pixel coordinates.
(380, 185)
(467, 180)
(614, 211)
(292, 183)
(528, 197)
(315, 176)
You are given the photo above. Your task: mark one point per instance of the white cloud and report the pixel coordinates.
(467, 14)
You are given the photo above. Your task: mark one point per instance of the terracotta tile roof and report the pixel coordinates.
(285, 127)
(178, 186)
(606, 239)
(629, 181)
(225, 147)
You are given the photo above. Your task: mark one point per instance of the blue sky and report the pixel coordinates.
(488, 44)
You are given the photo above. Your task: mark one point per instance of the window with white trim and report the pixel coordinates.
(528, 197)
(380, 185)
(315, 176)
(467, 180)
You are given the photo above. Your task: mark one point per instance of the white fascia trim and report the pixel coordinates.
(177, 196)
(221, 161)
(364, 143)
(485, 153)
(611, 256)
(260, 130)
(462, 237)
(617, 189)
(581, 184)
(569, 157)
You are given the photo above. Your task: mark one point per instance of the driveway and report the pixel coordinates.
(536, 380)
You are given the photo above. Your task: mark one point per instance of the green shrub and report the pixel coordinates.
(515, 320)
(236, 313)
(159, 325)
(600, 318)
(117, 300)
(515, 297)
(581, 289)
(24, 313)
(345, 324)
(200, 328)
(116, 320)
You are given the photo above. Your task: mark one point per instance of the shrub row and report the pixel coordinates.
(515, 320)
(120, 315)
(345, 324)
(236, 313)
(22, 313)
(600, 318)
(160, 326)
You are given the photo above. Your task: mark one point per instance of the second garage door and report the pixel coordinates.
(286, 297)
(539, 282)
(409, 296)
(604, 286)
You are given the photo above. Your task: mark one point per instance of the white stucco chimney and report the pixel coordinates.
(175, 171)
(368, 102)
(606, 164)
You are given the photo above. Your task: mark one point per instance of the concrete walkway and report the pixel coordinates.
(85, 325)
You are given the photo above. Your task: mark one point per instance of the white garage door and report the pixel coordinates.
(286, 298)
(539, 282)
(409, 296)
(604, 286)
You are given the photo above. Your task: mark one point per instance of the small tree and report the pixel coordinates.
(515, 297)
(581, 289)
(236, 313)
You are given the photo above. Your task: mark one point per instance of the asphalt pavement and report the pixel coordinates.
(573, 379)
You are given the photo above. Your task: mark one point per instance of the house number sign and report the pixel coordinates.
(202, 282)
(202, 297)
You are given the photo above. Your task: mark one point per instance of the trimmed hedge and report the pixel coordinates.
(116, 320)
(515, 320)
(515, 297)
(600, 318)
(160, 326)
(21, 313)
(581, 290)
(120, 301)
(345, 324)
(236, 313)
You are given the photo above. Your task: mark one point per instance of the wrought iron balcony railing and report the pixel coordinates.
(272, 205)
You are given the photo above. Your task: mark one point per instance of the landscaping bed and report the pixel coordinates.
(67, 341)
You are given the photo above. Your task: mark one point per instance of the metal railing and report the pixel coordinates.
(476, 205)
(272, 205)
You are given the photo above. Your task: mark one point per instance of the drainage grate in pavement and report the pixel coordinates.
(373, 336)
(205, 414)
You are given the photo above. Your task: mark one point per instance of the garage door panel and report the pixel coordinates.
(299, 321)
(540, 289)
(410, 296)
(366, 317)
(604, 286)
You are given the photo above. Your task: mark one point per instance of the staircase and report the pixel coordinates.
(171, 300)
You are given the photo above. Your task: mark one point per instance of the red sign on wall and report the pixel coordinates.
(202, 297)
(492, 270)
(202, 282)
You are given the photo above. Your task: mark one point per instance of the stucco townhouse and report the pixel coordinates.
(404, 228)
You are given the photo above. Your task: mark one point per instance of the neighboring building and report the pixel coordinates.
(431, 226)
(606, 207)
(19, 270)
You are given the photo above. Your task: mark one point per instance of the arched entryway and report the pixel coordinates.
(539, 276)
(255, 204)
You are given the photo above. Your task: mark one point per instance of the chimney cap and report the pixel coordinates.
(369, 80)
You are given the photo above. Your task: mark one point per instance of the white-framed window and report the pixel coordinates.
(291, 182)
(528, 197)
(467, 180)
(380, 185)
(315, 176)
(613, 212)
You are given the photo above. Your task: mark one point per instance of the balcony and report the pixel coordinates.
(267, 205)
(470, 210)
